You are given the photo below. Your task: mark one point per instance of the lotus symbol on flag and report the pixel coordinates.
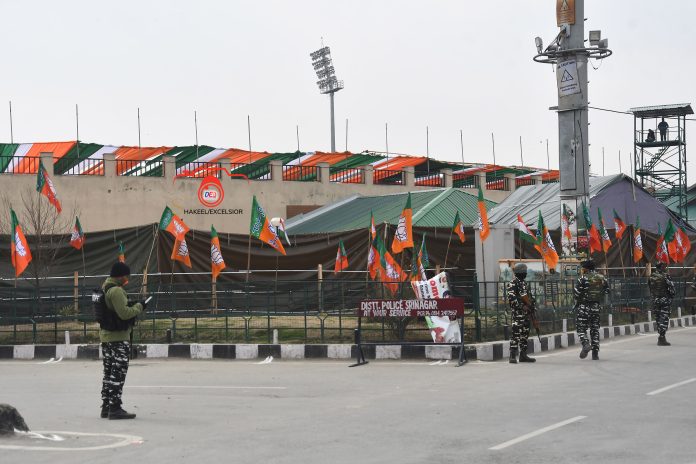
(391, 272)
(401, 232)
(215, 255)
(371, 256)
(183, 249)
(74, 236)
(19, 246)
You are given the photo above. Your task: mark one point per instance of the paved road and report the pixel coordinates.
(560, 410)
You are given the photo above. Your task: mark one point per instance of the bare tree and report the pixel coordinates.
(46, 230)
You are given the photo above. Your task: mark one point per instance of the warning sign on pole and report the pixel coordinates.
(567, 76)
(565, 12)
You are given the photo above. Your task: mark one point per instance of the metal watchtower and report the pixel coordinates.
(660, 151)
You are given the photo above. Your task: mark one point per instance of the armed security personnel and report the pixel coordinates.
(522, 304)
(662, 292)
(589, 290)
(116, 318)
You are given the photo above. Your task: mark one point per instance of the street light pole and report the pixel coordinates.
(570, 56)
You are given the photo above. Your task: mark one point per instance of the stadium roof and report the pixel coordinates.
(431, 208)
(607, 193)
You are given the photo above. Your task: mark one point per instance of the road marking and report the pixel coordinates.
(210, 387)
(669, 387)
(124, 440)
(537, 433)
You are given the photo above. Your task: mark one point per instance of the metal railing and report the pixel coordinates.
(301, 311)
(301, 173)
(501, 183)
(19, 164)
(387, 177)
(76, 167)
(348, 175)
(471, 182)
(138, 168)
(524, 181)
(432, 180)
(199, 169)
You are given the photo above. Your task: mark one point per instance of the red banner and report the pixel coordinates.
(450, 307)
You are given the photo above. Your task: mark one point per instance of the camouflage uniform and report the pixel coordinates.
(589, 289)
(116, 356)
(520, 316)
(662, 292)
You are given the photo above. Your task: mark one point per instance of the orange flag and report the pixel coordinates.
(403, 237)
(173, 223)
(459, 228)
(262, 228)
(19, 248)
(180, 252)
(44, 185)
(216, 261)
(483, 226)
(341, 258)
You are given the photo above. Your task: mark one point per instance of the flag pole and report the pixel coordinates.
(448, 247)
(248, 258)
(367, 261)
(143, 287)
(623, 269)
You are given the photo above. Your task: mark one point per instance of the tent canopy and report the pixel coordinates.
(431, 208)
(607, 192)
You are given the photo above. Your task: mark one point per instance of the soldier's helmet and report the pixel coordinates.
(660, 266)
(588, 264)
(520, 268)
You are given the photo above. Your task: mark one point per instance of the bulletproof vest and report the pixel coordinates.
(658, 285)
(107, 318)
(595, 289)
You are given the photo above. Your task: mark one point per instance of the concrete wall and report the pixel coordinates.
(112, 202)
(500, 244)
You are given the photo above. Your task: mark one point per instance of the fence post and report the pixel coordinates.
(477, 308)
(320, 297)
(76, 292)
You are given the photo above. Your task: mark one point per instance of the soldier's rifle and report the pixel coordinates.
(530, 307)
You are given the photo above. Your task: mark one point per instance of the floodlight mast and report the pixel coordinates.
(570, 56)
(327, 83)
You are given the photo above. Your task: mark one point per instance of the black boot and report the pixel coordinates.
(595, 355)
(526, 359)
(585, 350)
(662, 341)
(513, 355)
(105, 410)
(117, 412)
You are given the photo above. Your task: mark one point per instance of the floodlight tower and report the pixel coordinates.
(570, 55)
(328, 83)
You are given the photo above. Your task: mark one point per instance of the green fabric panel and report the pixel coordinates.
(71, 159)
(183, 155)
(7, 151)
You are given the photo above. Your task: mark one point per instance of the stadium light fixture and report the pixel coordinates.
(328, 83)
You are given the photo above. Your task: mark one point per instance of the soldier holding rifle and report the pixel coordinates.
(662, 292)
(589, 290)
(522, 306)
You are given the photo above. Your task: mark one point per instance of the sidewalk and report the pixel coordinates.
(491, 351)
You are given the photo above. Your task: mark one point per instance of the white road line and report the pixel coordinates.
(669, 387)
(210, 387)
(536, 433)
(124, 440)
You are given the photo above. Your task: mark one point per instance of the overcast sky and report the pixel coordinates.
(449, 65)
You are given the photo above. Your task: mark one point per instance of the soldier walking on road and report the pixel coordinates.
(589, 290)
(662, 292)
(521, 303)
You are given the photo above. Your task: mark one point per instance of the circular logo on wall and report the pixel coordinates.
(210, 193)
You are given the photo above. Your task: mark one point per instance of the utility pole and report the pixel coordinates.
(567, 51)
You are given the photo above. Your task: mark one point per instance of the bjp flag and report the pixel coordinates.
(19, 247)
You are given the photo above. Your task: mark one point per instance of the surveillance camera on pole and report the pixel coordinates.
(327, 83)
(567, 51)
